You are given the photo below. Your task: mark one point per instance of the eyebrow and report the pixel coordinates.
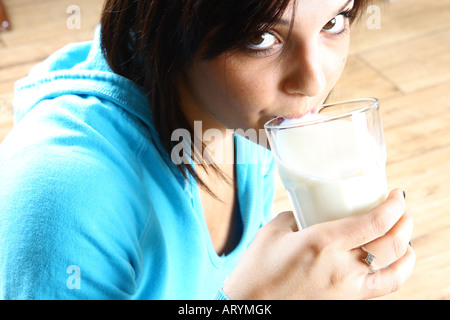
(283, 22)
(287, 23)
(344, 6)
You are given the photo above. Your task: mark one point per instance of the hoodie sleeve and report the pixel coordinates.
(67, 223)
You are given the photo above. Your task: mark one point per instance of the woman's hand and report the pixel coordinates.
(325, 261)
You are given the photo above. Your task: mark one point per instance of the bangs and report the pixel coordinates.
(232, 23)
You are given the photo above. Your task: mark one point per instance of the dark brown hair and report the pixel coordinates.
(151, 41)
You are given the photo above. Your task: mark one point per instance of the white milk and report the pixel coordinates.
(332, 170)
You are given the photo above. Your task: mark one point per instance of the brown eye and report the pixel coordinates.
(256, 40)
(262, 41)
(336, 25)
(330, 24)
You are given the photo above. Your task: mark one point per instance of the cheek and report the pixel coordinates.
(334, 74)
(335, 64)
(252, 89)
(231, 92)
(249, 92)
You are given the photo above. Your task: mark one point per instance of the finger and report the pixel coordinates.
(394, 244)
(390, 279)
(363, 228)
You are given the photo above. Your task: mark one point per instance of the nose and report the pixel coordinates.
(305, 73)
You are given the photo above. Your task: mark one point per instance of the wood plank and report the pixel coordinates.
(5, 128)
(416, 123)
(415, 107)
(39, 29)
(6, 115)
(35, 21)
(360, 80)
(401, 21)
(5, 24)
(27, 52)
(8, 76)
(414, 65)
(425, 180)
(413, 140)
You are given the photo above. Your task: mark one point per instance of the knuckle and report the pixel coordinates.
(380, 223)
(397, 283)
(399, 247)
(317, 245)
(321, 242)
(338, 277)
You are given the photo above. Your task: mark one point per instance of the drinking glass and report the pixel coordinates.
(333, 162)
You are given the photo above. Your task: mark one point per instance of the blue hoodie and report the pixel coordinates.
(90, 208)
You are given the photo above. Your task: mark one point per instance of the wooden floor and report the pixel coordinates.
(405, 63)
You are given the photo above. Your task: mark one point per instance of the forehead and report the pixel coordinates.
(302, 10)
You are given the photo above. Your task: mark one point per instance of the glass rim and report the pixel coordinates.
(371, 104)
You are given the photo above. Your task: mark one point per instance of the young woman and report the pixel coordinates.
(98, 200)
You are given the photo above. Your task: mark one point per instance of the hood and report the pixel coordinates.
(79, 69)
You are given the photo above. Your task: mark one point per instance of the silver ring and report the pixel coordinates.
(369, 260)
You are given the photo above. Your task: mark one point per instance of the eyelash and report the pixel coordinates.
(349, 15)
(258, 52)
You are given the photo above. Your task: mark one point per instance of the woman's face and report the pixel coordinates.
(279, 73)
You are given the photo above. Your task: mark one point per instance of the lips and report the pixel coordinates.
(295, 116)
(300, 115)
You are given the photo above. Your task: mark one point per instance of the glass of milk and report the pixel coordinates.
(332, 162)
